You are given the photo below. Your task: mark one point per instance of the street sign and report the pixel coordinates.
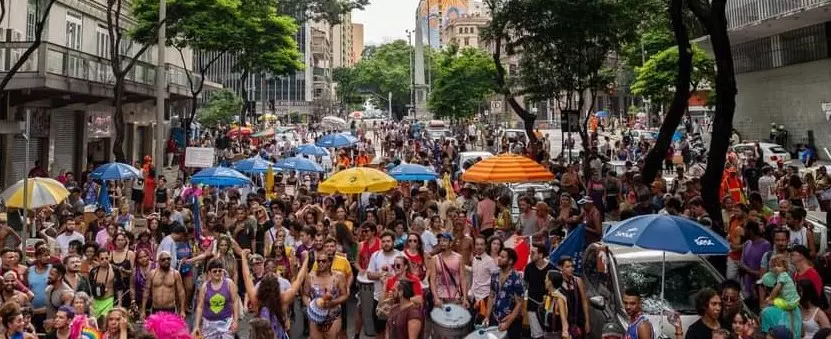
(570, 120)
(200, 157)
(496, 106)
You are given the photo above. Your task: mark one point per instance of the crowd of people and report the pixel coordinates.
(236, 261)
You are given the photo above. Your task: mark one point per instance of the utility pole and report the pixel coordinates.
(412, 71)
(161, 79)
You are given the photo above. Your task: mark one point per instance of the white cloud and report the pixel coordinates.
(386, 20)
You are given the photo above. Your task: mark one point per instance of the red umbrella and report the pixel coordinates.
(236, 131)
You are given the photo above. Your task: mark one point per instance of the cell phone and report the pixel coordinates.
(672, 316)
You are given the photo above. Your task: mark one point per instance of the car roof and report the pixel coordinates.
(628, 255)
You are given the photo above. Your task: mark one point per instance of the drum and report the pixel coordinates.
(492, 332)
(366, 293)
(451, 321)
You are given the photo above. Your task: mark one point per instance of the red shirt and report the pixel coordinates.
(365, 251)
(392, 281)
(812, 275)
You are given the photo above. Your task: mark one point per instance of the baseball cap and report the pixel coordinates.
(801, 249)
(445, 235)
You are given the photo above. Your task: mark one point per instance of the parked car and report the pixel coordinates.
(772, 153)
(471, 156)
(608, 270)
(541, 192)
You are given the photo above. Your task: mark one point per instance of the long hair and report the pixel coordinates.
(268, 294)
(344, 236)
(419, 247)
(260, 329)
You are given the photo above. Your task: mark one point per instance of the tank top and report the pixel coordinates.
(217, 304)
(37, 283)
(810, 326)
(447, 276)
(184, 251)
(798, 237)
(632, 330)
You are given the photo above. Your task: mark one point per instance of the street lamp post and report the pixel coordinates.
(28, 136)
(160, 84)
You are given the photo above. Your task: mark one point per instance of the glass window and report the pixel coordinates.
(31, 20)
(74, 33)
(683, 280)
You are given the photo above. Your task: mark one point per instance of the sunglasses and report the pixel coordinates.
(727, 298)
(216, 270)
(322, 261)
(398, 266)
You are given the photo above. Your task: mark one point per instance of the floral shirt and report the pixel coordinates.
(506, 294)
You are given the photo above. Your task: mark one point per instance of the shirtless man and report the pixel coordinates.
(58, 293)
(167, 286)
(11, 293)
(103, 285)
(462, 243)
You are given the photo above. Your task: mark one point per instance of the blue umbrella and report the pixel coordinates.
(116, 171)
(602, 114)
(336, 140)
(298, 164)
(413, 172)
(312, 149)
(104, 198)
(667, 233)
(220, 177)
(252, 165)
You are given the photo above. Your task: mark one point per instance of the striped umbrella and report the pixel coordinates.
(507, 168)
(42, 192)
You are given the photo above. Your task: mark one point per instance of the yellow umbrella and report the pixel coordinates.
(358, 180)
(42, 192)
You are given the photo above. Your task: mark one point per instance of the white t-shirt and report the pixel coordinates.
(429, 240)
(377, 262)
(63, 241)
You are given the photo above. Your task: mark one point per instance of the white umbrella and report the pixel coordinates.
(334, 122)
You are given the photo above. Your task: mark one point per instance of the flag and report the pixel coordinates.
(571, 246)
(196, 219)
(104, 198)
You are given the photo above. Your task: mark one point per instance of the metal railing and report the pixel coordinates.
(748, 12)
(59, 60)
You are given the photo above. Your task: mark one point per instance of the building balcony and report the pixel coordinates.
(754, 19)
(57, 70)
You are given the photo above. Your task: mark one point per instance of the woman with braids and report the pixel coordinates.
(267, 298)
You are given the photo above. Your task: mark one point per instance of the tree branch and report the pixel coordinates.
(39, 27)
(2, 11)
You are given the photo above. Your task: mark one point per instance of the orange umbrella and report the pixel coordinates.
(507, 168)
(236, 131)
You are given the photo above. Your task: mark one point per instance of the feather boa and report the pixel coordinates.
(167, 325)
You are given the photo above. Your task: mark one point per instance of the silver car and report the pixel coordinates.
(608, 270)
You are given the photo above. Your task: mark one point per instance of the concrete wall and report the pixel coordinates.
(791, 96)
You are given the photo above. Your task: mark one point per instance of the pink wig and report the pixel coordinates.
(77, 325)
(167, 325)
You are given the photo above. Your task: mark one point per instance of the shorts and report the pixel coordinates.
(380, 325)
(155, 310)
(535, 326)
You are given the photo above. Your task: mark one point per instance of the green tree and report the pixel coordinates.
(347, 91)
(463, 80)
(386, 70)
(268, 44)
(656, 78)
(208, 27)
(564, 50)
(221, 108)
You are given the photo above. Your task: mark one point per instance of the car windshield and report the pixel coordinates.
(777, 150)
(683, 280)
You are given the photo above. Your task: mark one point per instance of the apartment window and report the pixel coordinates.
(753, 56)
(461, 30)
(102, 49)
(31, 19)
(803, 45)
(74, 33)
(467, 41)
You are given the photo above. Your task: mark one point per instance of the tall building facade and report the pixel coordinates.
(464, 31)
(357, 42)
(66, 88)
(342, 43)
(433, 16)
(782, 61)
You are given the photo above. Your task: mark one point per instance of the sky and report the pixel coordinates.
(386, 20)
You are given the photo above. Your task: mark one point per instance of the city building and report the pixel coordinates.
(464, 31)
(782, 62)
(357, 42)
(343, 53)
(305, 92)
(66, 87)
(433, 15)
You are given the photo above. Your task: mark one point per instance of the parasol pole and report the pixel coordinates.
(663, 282)
(25, 214)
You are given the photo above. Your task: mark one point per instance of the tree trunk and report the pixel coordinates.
(654, 160)
(118, 121)
(527, 118)
(725, 109)
(585, 140)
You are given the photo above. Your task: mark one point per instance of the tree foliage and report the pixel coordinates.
(463, 80)
(221, 108)
(564, 49)
(331, 11)
(347, 91)
(656, 78)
